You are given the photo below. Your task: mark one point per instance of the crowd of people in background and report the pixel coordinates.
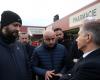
(55, 59)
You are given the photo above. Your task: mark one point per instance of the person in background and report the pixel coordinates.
(49, 58)
(24, 38)
(71, 46)
(13, 58)
(88, 40)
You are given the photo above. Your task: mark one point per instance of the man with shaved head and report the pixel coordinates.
(49, 34)
(49, 58)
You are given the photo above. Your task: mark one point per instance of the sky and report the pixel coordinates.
(42, 12)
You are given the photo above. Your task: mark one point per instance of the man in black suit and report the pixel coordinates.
(88, 41)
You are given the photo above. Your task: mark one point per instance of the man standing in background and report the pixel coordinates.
(24, 38)
(71, 46)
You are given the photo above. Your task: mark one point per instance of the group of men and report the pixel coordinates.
(51, 60)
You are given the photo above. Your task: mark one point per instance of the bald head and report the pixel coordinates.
(49, 38)
(48, 33)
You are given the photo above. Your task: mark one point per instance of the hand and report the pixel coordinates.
(49, 74)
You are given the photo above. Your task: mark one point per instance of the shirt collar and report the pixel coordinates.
(87, 53)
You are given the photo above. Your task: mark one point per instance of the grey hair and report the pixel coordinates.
(94, 27)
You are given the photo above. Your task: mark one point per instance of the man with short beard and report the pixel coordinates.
(24, 38)
(71, 46)
(13, 58)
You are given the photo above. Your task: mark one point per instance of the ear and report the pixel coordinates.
(89, 37)
(3, 29)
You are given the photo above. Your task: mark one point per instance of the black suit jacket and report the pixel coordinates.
(86, 69)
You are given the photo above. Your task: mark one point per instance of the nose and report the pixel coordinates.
(76, 39)
(24, 40)
(59, 35)
(51, 41)
(18, 28)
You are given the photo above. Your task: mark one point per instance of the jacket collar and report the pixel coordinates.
(94, 53)
(49, 48)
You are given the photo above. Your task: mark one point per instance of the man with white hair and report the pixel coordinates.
(88, 67)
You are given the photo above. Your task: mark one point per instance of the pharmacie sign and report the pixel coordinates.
(77, 19)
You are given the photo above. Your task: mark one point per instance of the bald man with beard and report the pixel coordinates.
(49, 58)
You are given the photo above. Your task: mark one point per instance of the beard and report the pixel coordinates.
(10, 36)
(25, 43)
(60, 40)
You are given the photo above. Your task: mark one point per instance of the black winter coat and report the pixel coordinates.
(13, 62)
